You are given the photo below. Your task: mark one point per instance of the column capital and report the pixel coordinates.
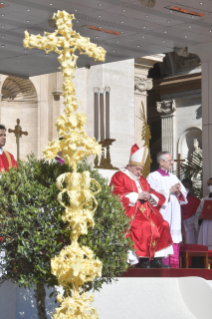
(96, 90)
(107, 89)
(167, 108)
(147, 62)
(57, 95)
(142, 84)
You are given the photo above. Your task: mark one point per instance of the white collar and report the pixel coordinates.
(1, 151)
(129, 174)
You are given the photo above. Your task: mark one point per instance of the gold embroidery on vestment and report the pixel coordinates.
(142, 209)
(154, 244)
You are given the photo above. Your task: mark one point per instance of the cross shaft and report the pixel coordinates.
(178, 160)
(18, 133)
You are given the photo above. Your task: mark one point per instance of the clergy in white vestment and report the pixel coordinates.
(188, 211)
(169, 185)
(205, 230)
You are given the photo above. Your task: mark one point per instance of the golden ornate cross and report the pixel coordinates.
(65, 41)
(76, 145)
(178, 160)
(18, 133)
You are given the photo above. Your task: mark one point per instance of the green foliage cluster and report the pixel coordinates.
(33, 232)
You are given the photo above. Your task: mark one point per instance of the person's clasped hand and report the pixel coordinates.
(175, 189)
(144, 196)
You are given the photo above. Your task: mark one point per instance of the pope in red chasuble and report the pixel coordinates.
(147, 228)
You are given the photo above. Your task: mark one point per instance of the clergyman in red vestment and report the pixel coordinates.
(149, 231)
(7, 160)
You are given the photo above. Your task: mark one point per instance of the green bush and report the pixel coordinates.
(33, 232)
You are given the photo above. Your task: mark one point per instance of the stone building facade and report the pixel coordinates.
(110, 95)
(174, 106)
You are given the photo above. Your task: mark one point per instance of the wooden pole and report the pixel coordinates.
(178, 160)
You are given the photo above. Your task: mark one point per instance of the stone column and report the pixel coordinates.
(43, 114)
(142, 84)
(167, 110)
(96, 112)
(1, 84)
(57, 82)
(204, 51)
(102, 115)
(107, 112)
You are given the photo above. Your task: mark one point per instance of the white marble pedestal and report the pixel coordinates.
(128, 298)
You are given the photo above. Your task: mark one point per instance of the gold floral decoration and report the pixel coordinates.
(75, 265)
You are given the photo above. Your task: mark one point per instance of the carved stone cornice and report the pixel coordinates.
(147, 62)
(166, 107)
(182, 52)
(142, 84)
(176, 84)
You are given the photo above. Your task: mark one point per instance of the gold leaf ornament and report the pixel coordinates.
(77, 307)
(76, 264)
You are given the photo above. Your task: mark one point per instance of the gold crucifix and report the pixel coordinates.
(18, 133)
(178, 160)
(65, 42)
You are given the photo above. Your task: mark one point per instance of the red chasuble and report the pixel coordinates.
(149, 231)
(7, 161)
(190, 209)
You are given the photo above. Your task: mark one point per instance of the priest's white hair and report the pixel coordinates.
(160, 156)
